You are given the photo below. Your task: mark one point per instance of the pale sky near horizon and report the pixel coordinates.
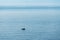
(29, 2)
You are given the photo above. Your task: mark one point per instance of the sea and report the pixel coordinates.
(40, 23)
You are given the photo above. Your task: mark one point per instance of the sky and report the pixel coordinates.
(29, 2)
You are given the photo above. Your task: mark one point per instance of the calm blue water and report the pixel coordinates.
(40, 24)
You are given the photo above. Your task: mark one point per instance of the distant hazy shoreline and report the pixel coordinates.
(32, 7)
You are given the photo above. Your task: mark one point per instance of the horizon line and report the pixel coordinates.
(29, 7)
